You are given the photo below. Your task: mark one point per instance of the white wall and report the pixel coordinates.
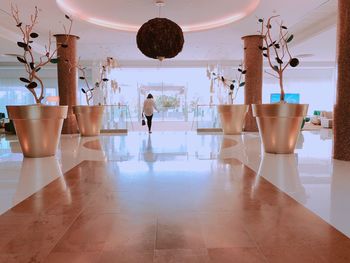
(316, 86)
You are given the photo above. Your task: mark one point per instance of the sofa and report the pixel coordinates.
(323, 118)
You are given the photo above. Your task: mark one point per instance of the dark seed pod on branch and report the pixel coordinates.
(294, 62)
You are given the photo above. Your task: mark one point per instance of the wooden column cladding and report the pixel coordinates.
(341, 119)
(253, 60)
(67, 79)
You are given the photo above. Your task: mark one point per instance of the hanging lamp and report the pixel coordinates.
(160, 38)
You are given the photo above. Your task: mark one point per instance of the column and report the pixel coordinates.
(67, 79)
(341, 117)
(253, 60)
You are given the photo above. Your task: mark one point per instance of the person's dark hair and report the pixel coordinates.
(149, 96)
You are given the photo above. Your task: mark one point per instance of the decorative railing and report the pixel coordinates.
(115, 119)
(207, 118)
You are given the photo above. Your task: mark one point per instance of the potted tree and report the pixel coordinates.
(280, 123)
(232, 115)
(38, 126)
(89, 116)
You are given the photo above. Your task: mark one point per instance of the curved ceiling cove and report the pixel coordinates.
(129, 15)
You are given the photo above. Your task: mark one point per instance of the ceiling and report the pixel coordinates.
(222, 43)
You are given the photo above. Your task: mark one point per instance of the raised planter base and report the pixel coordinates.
(89, 119)
(232, 117)
(279, 125)
(38, 128)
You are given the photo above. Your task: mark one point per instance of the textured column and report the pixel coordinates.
(341, 149)
(67, 80)
(253, 60)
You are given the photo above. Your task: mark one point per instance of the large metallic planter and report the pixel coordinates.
(279, 125)
(89, 119)
(232, 117)
(38, 128)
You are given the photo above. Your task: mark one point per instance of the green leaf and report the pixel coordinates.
(32, 85)
(54, 60)
(279, 61)
(22, 44)
(290, 38)
(34, 35)
(24, 80)
(22, 60)
(242, 84)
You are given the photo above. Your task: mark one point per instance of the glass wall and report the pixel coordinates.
(177, 91)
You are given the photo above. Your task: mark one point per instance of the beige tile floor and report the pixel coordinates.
(94, 214)
(195, 198)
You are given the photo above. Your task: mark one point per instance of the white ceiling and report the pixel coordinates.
(219, 44)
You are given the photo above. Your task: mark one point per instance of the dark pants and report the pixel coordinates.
(149, 122)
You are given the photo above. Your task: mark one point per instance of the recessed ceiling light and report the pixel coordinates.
(76, 9)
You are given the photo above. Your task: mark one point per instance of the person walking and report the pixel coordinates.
(148, 106)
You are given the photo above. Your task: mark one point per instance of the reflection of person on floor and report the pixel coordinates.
(148, 155)
(148, 106)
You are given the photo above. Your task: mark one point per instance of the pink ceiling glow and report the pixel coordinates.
(202, 17)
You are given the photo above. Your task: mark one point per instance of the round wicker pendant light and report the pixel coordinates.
(160, 38)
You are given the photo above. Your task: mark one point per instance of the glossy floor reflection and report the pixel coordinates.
(174, 197)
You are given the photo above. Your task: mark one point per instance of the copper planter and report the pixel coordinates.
(38, 128)
(232, 117)
(279, 125)
(89, 119)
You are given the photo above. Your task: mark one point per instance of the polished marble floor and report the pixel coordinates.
(175, 197)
